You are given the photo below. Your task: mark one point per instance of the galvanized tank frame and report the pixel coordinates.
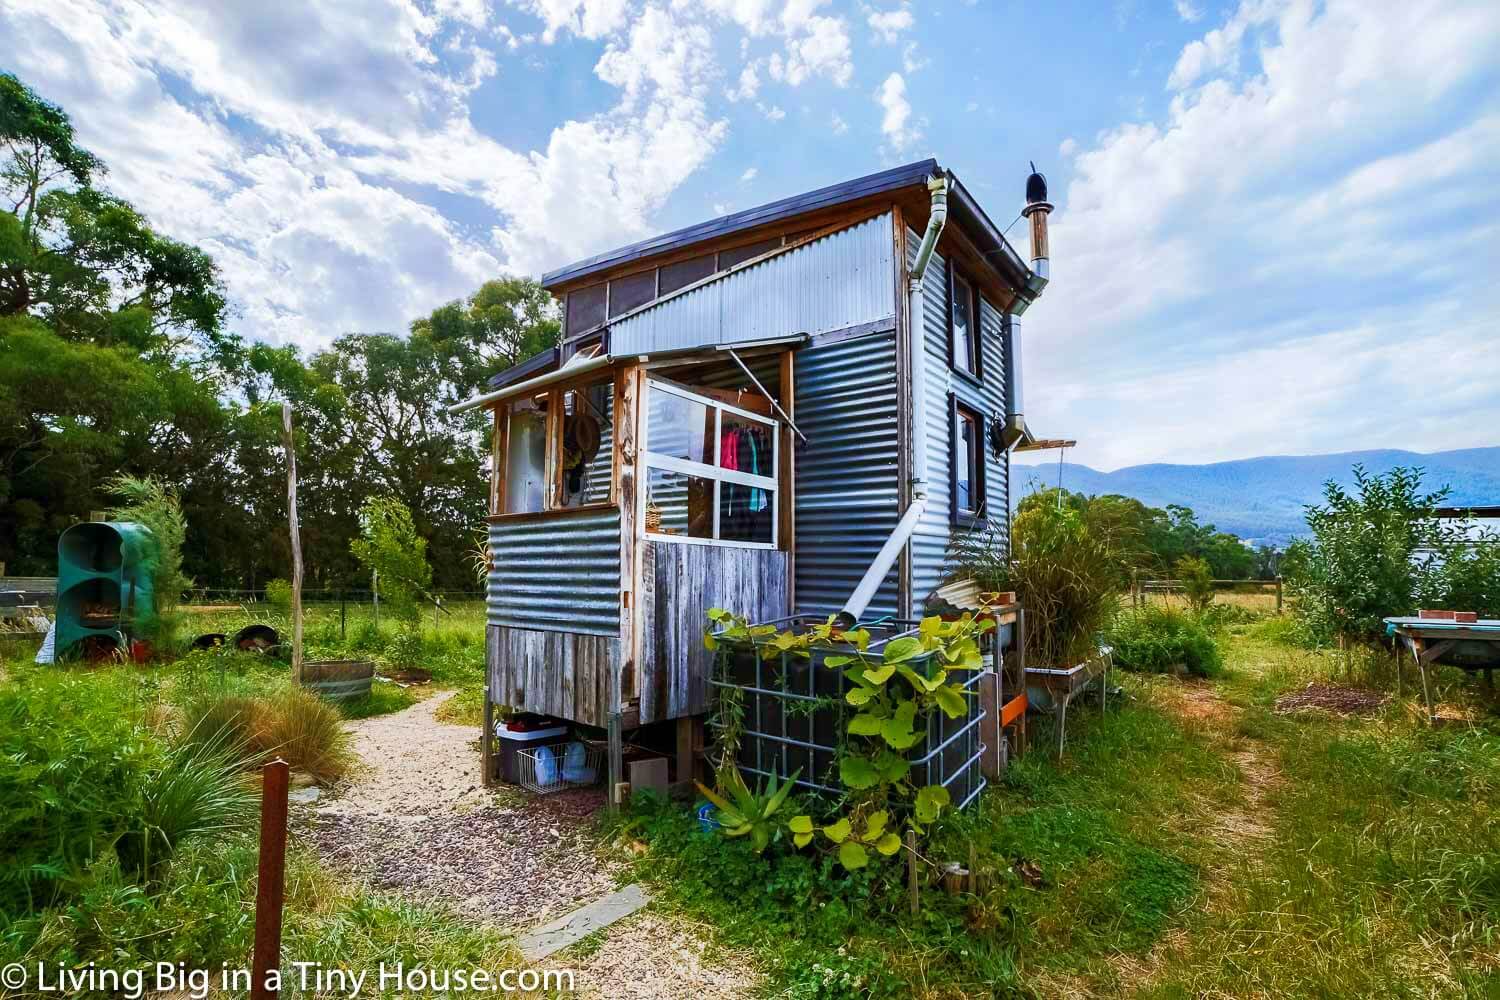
(954, 748)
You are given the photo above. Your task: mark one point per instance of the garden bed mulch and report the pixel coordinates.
(1332, 698)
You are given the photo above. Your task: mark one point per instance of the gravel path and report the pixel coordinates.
(415, 819)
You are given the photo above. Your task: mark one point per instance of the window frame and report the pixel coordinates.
(961, 517)
(651, 460)
(976, 336)
(552, 472)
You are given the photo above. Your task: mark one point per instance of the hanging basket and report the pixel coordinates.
(653, 517)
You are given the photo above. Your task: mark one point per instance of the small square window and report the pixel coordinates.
(963, 326)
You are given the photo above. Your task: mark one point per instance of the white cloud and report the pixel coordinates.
(896, 122)
(584, 18)
(816, 45)
(749, 83)
(749, 175)
(772, 112)
(889, 24)
(1315, 208)
(309, 177)
(1067, 148)
(838, 124)
(1189, 11)
(911, 61)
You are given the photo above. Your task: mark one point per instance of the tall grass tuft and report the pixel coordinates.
(306, 732)
(197, 788)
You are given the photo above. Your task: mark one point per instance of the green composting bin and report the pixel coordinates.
(103, 583)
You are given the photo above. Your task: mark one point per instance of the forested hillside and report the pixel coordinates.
(1262, 499)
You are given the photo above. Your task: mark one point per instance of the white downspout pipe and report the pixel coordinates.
(937, 187)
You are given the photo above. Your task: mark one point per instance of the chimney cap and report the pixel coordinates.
(1036, 187)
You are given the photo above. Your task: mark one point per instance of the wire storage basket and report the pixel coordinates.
(555, 766)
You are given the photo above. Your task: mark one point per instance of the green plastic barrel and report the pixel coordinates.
(103, 584)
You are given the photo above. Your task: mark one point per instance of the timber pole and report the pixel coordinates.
(296, 532)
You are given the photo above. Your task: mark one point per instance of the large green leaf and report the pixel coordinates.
(858, 773)
(875, 826)
(930, 801)
(852, 856)
(837, 660)
(897, 730)
(889, 844)
(879, 675)
(837, 832)
(892, 766)
(859, 695)
(920, 682)
(903, 649)
(865, 724)
(779, 796)
(800, 824)
(951, 700)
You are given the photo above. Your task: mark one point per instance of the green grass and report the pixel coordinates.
(1371, 865)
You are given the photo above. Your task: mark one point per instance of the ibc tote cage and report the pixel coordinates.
(793, 712)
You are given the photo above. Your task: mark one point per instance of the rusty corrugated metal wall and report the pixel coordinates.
(847, 475)
(930, 541)
(839, 281)
(560, 572)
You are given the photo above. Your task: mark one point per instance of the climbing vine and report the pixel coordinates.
(893, 693)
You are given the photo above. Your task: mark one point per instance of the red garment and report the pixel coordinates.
(729, 451)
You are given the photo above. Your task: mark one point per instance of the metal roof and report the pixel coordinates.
(907, 175)
(537, 363)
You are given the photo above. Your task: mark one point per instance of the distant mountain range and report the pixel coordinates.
(1262, 499)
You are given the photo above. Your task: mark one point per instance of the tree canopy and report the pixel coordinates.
(117, 357)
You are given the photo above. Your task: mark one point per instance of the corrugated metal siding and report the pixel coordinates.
(930, 541)
(557, 573)
(839, 281)
(847, 476)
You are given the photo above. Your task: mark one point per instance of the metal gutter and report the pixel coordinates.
(533, 384)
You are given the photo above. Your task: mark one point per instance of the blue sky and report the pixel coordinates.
(1278, 224)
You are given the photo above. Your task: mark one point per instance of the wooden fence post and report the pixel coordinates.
(1278, 593)
(911, 871)
(272, 878)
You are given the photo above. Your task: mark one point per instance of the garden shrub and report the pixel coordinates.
(86, 781)
(279, 594)
(1155, 637)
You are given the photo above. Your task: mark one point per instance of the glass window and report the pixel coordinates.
(679, 504)
(711, 470)
(680, 427)
(526, 457)
(587, 444)
(585, 309)
(965, 328)
(685, 272)
(968, 458)
(738, 255)
(630, 291)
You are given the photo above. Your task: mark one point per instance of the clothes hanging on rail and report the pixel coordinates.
(745, 511)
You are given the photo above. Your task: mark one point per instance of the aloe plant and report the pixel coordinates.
(744, 812)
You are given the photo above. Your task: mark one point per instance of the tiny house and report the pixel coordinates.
(787, 409)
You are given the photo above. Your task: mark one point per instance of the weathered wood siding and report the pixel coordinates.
(679, 584)
(565, 674)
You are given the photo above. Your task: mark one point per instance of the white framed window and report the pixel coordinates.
(709, 470)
